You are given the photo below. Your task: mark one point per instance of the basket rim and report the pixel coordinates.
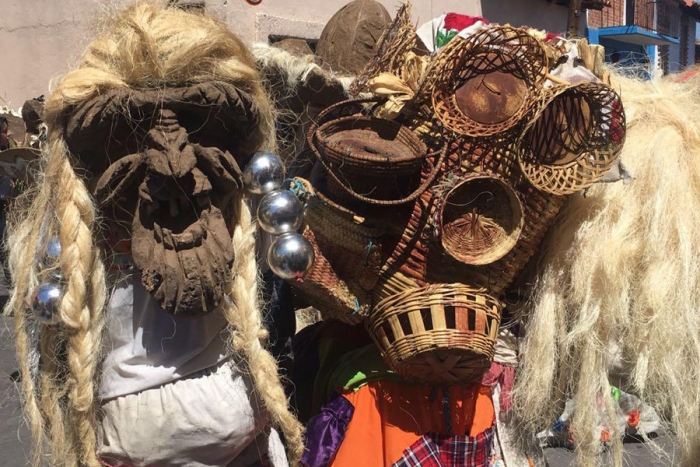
(410, 156)
(443, 85)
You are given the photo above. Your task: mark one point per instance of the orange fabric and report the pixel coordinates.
(389, 417)
(633, 419)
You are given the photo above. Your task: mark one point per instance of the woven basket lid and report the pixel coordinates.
(574, 139)
(480, 219)
(485, 84)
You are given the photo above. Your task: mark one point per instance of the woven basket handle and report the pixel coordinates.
(419, 191)
(329, 112)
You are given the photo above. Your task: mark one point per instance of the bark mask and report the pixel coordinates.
(165, 168)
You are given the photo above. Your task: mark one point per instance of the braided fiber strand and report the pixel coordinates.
(247, 332)
(83, 323)
(16, 306)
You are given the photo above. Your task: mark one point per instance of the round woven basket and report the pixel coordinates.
(373, 160)
(438, 334)
(480, 219)
(574, 139)
(486, 83)
(361, 146)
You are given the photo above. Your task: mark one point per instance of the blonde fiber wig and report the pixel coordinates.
(618, 295)
(147, 46)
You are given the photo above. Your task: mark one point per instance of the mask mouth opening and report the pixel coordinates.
(437, 334)
(480, 220)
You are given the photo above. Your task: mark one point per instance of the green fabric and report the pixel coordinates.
(442, 38)
(358, 368)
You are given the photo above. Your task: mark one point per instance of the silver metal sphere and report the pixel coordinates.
(46, 302)
(290, 256)
(264, 173)
(280, 212)
(53, 250)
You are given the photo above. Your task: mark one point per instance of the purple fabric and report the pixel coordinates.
(325, 432)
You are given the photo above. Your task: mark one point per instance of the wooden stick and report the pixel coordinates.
(556, 79)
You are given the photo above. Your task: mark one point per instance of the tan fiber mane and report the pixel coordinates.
(618, 296)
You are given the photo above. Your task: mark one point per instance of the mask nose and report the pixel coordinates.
(169, 152)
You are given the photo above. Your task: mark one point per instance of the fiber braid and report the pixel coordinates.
(53, 390)
(83, 323)
(29, 389)
(27, 238)
(247, 332)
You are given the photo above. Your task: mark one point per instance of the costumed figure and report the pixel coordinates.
(135, 296)
(432, 192)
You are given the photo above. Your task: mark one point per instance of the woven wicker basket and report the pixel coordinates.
(348, 252)
(351, 244)
(479, 220)
(417, 258)
(358, 146)
(373, 160)
(439, 334)
(324, 290)
(485, 84)
(574, 139)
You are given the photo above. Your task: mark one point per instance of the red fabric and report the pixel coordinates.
(434, 450)
(688, 75)
(550, 36)
(459, 22)
(505, 376)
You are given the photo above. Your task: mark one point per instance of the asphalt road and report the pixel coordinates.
(15, 440)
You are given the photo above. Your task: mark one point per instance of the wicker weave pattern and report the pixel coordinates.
(574, 139)
(495, 52)
(373, 160)
(418, 259)
(348, 257)
(325, 291)
(439, 334)
(392, 48)
(479, 220)
(357, 145)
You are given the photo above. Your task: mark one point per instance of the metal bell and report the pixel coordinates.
(264, 173)
(47, 299)
(290, 256)
(280, 212)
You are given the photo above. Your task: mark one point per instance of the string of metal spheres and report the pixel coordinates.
(280, 213)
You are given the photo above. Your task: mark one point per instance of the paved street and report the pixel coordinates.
(14, 437)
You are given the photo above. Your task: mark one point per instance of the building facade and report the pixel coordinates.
(658, 34)
(40, 39)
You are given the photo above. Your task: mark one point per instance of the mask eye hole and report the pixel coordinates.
(563, 59)
(578, 61)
